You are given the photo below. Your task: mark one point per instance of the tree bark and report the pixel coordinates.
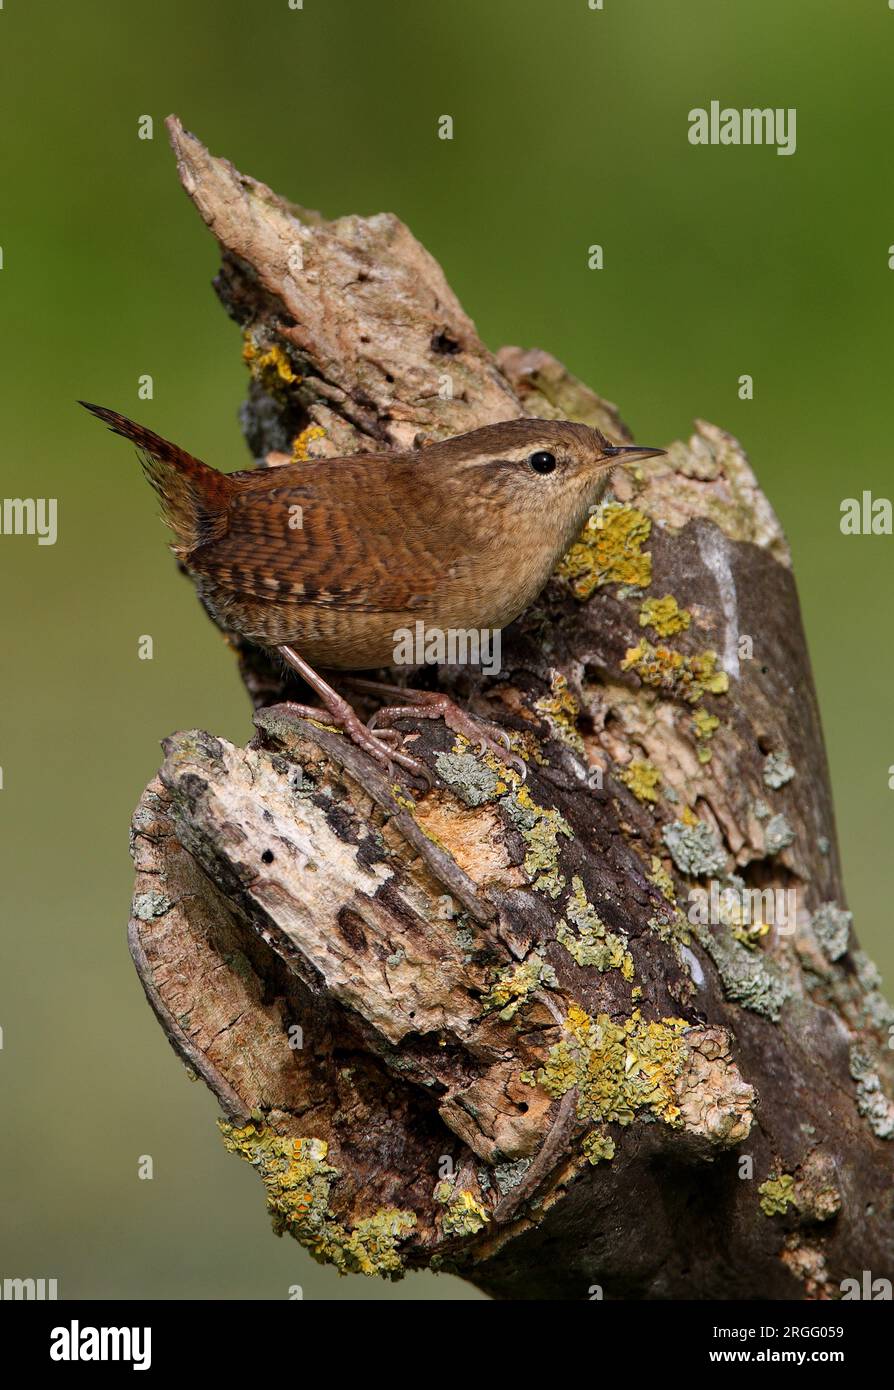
(521, 1032)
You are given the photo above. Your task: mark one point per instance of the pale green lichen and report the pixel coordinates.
(468, 777)
(777, 1194)
(675, 930)
(664, 615)
(598, 1146)
(749, 978)
(561, 711)
(682, 677)
(592, 943)
(509, 1175)
(540, 829)
(476, 781)
(619, 1069)
(298, 1180)
(463, 1215)
(694, 849)
(643, 779)
(609, 551)
(876, 1011)
(872, 1103)
(515, 983)
(832, 925)
(468, 942)
(778, 834)
(147, 906)
(777, 770)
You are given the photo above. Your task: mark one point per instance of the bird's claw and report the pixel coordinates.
(501, 749)
(430, 705)
(380, 744)
(391, 739)
(514, 760)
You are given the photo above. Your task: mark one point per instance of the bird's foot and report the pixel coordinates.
(381, 744)
(432, 704)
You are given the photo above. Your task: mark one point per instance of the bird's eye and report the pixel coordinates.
(542, 461)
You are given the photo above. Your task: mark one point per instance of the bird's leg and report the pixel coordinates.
(378, 743)
(433, 704)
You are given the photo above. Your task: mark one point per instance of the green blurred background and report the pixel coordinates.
(571, 129)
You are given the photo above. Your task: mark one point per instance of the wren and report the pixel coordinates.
(325, 560)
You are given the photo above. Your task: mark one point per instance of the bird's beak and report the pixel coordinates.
(630, 453)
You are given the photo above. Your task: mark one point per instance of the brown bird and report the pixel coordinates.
(327, 560)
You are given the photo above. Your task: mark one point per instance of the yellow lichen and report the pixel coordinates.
(609, 551)
(598, 1145)
(777, 1194)
(301, 442)
(464, 1215)
(664, 615)
(514, 984)
(592, 943)
(677, 929)
(684, 677)
(561, 711)
(507, 776)
(618, 1069)
(704, 725)
(270, 367)
(661, 879)
(401, 797)
(643, 779)
(752, 935)
(298, 1180)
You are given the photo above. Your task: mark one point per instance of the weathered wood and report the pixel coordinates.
(523, 1056)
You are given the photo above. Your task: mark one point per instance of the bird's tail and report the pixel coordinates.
(194, 497)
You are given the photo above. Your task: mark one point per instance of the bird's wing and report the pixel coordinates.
(336, 533)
